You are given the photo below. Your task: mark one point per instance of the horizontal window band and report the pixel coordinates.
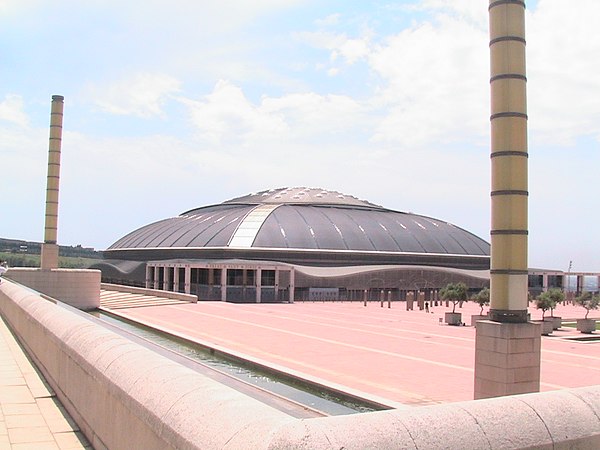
(508, 114)
(508, 76)
(507, 39)
(49, 242)
(507, 2)
(509, 232)
(509, 192)
(509, 272)
(509, 153)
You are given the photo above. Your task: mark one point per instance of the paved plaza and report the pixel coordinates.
(31, 417)
(407, 357)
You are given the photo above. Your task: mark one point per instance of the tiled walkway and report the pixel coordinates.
(31, 417)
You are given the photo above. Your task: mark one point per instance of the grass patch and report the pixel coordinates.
(574, 325)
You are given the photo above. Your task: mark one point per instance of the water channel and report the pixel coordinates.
(311, 400)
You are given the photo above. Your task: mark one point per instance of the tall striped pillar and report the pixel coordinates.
(508, 287)
(50, 247)
(507, 347)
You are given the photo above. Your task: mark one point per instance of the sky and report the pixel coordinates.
(175, 105)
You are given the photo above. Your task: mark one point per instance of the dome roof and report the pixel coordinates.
(304, 219)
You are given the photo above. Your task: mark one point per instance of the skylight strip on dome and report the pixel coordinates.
(248, 228)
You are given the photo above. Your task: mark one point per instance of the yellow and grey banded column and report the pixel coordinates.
(50, 247)
(508, 83)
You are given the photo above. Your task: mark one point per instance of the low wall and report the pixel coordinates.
(157, 292)
(124, 396)
(79, 288)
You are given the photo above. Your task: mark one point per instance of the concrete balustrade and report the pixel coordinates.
(145, 291)
(125, 396)
(79, 288)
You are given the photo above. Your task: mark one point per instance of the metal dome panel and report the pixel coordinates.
(305, 219)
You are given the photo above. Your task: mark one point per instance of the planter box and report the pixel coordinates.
(476, 317)
(547, 326)
(453, 318)
(586, 325)
(557, 322)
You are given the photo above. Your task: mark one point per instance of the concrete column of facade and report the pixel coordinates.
(49, 256)
(507, 348)
(157, 277)
(188, 280)
(176, 279)
(166, 279)
(545, 282)
(276, 291)
(224, 284)
(258, 285)
(580, 284)
(292, 285)
(149, 280)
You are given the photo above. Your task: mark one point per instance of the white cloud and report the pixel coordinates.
(227, 115)
(351, 50)
(11, 110)
(562, 47)
(474, 11)
(142, 94)
(332, 19)
(436, 88)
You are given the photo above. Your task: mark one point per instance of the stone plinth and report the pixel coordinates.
(507, 358)
(79, 288)
(477, 317)
(49, 256)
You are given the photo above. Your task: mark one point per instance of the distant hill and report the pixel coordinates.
(26, 253)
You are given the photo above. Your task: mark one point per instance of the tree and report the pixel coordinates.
(482, 298)
(455, 293)
(588, 301)
(545, 301)
(557, 296)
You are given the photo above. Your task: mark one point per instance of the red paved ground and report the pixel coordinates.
(404, 356)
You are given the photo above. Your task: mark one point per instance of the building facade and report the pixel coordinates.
(289, 244)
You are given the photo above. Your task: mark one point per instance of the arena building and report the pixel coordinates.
(292, 244)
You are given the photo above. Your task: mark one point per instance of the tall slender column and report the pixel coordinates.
(49, 258)
(507, 347)
(508, 285)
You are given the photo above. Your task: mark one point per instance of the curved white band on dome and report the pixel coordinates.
(250, 226)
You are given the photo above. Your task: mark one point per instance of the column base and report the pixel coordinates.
(49, 257)
(507, 358)
(508, 315)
